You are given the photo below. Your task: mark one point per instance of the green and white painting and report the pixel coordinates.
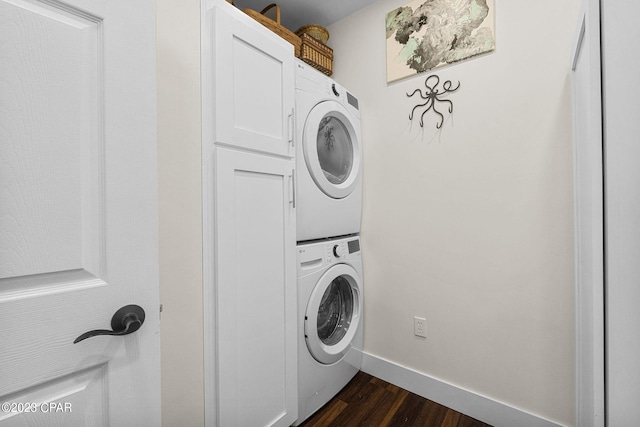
(424, 35)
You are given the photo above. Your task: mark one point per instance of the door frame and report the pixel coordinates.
(207, 8)
(589, 256)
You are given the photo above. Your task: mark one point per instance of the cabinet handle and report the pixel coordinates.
(290, 127)
(293, 187)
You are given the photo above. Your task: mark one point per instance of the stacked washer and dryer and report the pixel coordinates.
(329, 208)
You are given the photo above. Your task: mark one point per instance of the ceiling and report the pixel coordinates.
(296, 13)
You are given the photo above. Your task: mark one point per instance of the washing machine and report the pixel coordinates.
(330, 292)
(328, 157)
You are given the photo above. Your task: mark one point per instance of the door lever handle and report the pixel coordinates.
(125, 321)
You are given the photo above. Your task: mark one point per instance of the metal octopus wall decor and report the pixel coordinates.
(432, 95)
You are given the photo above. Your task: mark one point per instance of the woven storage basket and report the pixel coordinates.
(275, 25)
(316, 54)
(316, 31)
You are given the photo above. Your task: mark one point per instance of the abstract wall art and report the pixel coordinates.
(424, 35)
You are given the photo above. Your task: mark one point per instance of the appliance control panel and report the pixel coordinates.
(318, 254)
(344, 248)
(340, 92)
(311, 80)
(336, 91)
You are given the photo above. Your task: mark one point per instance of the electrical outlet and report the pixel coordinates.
(420, 327)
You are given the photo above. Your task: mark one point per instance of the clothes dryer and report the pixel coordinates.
(330, 292)
(328, 157)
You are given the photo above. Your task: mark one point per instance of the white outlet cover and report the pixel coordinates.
(420, 327)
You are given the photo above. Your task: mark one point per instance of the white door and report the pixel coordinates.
(332, 152)
(78, 212)
(589, 221)
(256, 290)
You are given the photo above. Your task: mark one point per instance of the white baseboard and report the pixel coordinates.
(482, 408)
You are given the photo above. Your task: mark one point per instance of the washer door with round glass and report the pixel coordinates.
(333, 314)
(331, 145)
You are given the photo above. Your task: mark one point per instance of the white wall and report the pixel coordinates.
(180, 197)
(471, 228)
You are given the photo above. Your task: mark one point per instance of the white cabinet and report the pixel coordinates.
(256, 289)
(254, 85)
(249, 223)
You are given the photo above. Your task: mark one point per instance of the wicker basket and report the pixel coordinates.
(316, 31)
(316, 54)
(275, 25)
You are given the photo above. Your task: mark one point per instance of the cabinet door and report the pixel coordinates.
(254, 84)
(256, 289)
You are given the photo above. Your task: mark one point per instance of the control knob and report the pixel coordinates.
(338, 251)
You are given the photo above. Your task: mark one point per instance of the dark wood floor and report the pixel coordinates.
(369, 401)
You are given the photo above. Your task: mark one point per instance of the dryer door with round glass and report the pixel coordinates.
(332, 150)
(333, 314)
